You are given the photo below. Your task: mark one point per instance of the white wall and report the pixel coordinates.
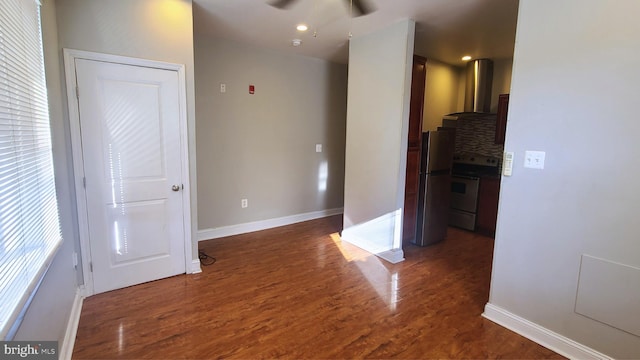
(46, 318)
(149, 29)
(574, 95)
(441, 93)
(262, 147)
(377, 121)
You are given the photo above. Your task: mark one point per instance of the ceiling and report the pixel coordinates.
(445, 29)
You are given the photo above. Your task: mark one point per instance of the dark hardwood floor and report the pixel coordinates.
(297, 292)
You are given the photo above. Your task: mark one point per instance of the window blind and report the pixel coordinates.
(29, 225)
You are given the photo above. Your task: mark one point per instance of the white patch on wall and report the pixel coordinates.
(609, 292)
(380, 236)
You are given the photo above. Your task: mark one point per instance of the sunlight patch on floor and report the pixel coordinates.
(385, 282)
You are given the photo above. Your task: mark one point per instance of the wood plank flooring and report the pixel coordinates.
(297, 292)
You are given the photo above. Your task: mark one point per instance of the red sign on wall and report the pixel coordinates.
(252, 89)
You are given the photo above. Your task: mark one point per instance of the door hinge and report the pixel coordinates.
(90, 266)
(84, 182)
(77, 92)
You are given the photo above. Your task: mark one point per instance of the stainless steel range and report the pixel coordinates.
(465, 182)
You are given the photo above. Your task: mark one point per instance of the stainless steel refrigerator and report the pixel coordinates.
(435, 186)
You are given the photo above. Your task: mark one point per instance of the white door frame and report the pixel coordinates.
(70, 56)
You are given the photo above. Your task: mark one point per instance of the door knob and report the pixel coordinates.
(175, 188)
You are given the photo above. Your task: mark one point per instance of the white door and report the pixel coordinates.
(130, 130)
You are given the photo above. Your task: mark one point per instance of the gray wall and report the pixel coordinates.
(574, 95)
(262, 146)
(46, 318)
(377, 123)
(440, 93)
(148, 29)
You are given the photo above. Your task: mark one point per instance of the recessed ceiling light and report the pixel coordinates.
(302, 27)
(466, 58)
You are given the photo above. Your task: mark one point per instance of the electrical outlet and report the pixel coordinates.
(244, 203)
(223, 88)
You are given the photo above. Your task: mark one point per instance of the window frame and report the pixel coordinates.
(39, 206)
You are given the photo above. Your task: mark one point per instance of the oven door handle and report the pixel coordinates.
(466, 177)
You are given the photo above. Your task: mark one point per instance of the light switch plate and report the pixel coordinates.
(318, 148)
(534, 159)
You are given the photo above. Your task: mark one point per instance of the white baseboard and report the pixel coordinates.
(66, 348)
(393, 256)
(208, 234)
(541, 335)
(195, 267)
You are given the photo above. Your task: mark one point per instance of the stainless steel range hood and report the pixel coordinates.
(477, 95)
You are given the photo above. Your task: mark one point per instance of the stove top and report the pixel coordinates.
(475, 165)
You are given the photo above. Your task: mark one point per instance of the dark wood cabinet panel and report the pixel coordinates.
(410, 216)
(413, 171)
(501, 122)
(414, 145)
(412, 183)
(487, 214)
(416, 107)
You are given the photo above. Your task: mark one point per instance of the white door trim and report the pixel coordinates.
(70, 55)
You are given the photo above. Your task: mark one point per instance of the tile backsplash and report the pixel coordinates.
(477, 136)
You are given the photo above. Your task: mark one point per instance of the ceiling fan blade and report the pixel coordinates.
(361, 7)
(282, 4)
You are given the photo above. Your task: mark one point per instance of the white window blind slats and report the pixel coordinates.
(29, 225)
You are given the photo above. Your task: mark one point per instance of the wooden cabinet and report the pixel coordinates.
(487, 214)
(413, 150)
(501, 122)
(416, 104)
